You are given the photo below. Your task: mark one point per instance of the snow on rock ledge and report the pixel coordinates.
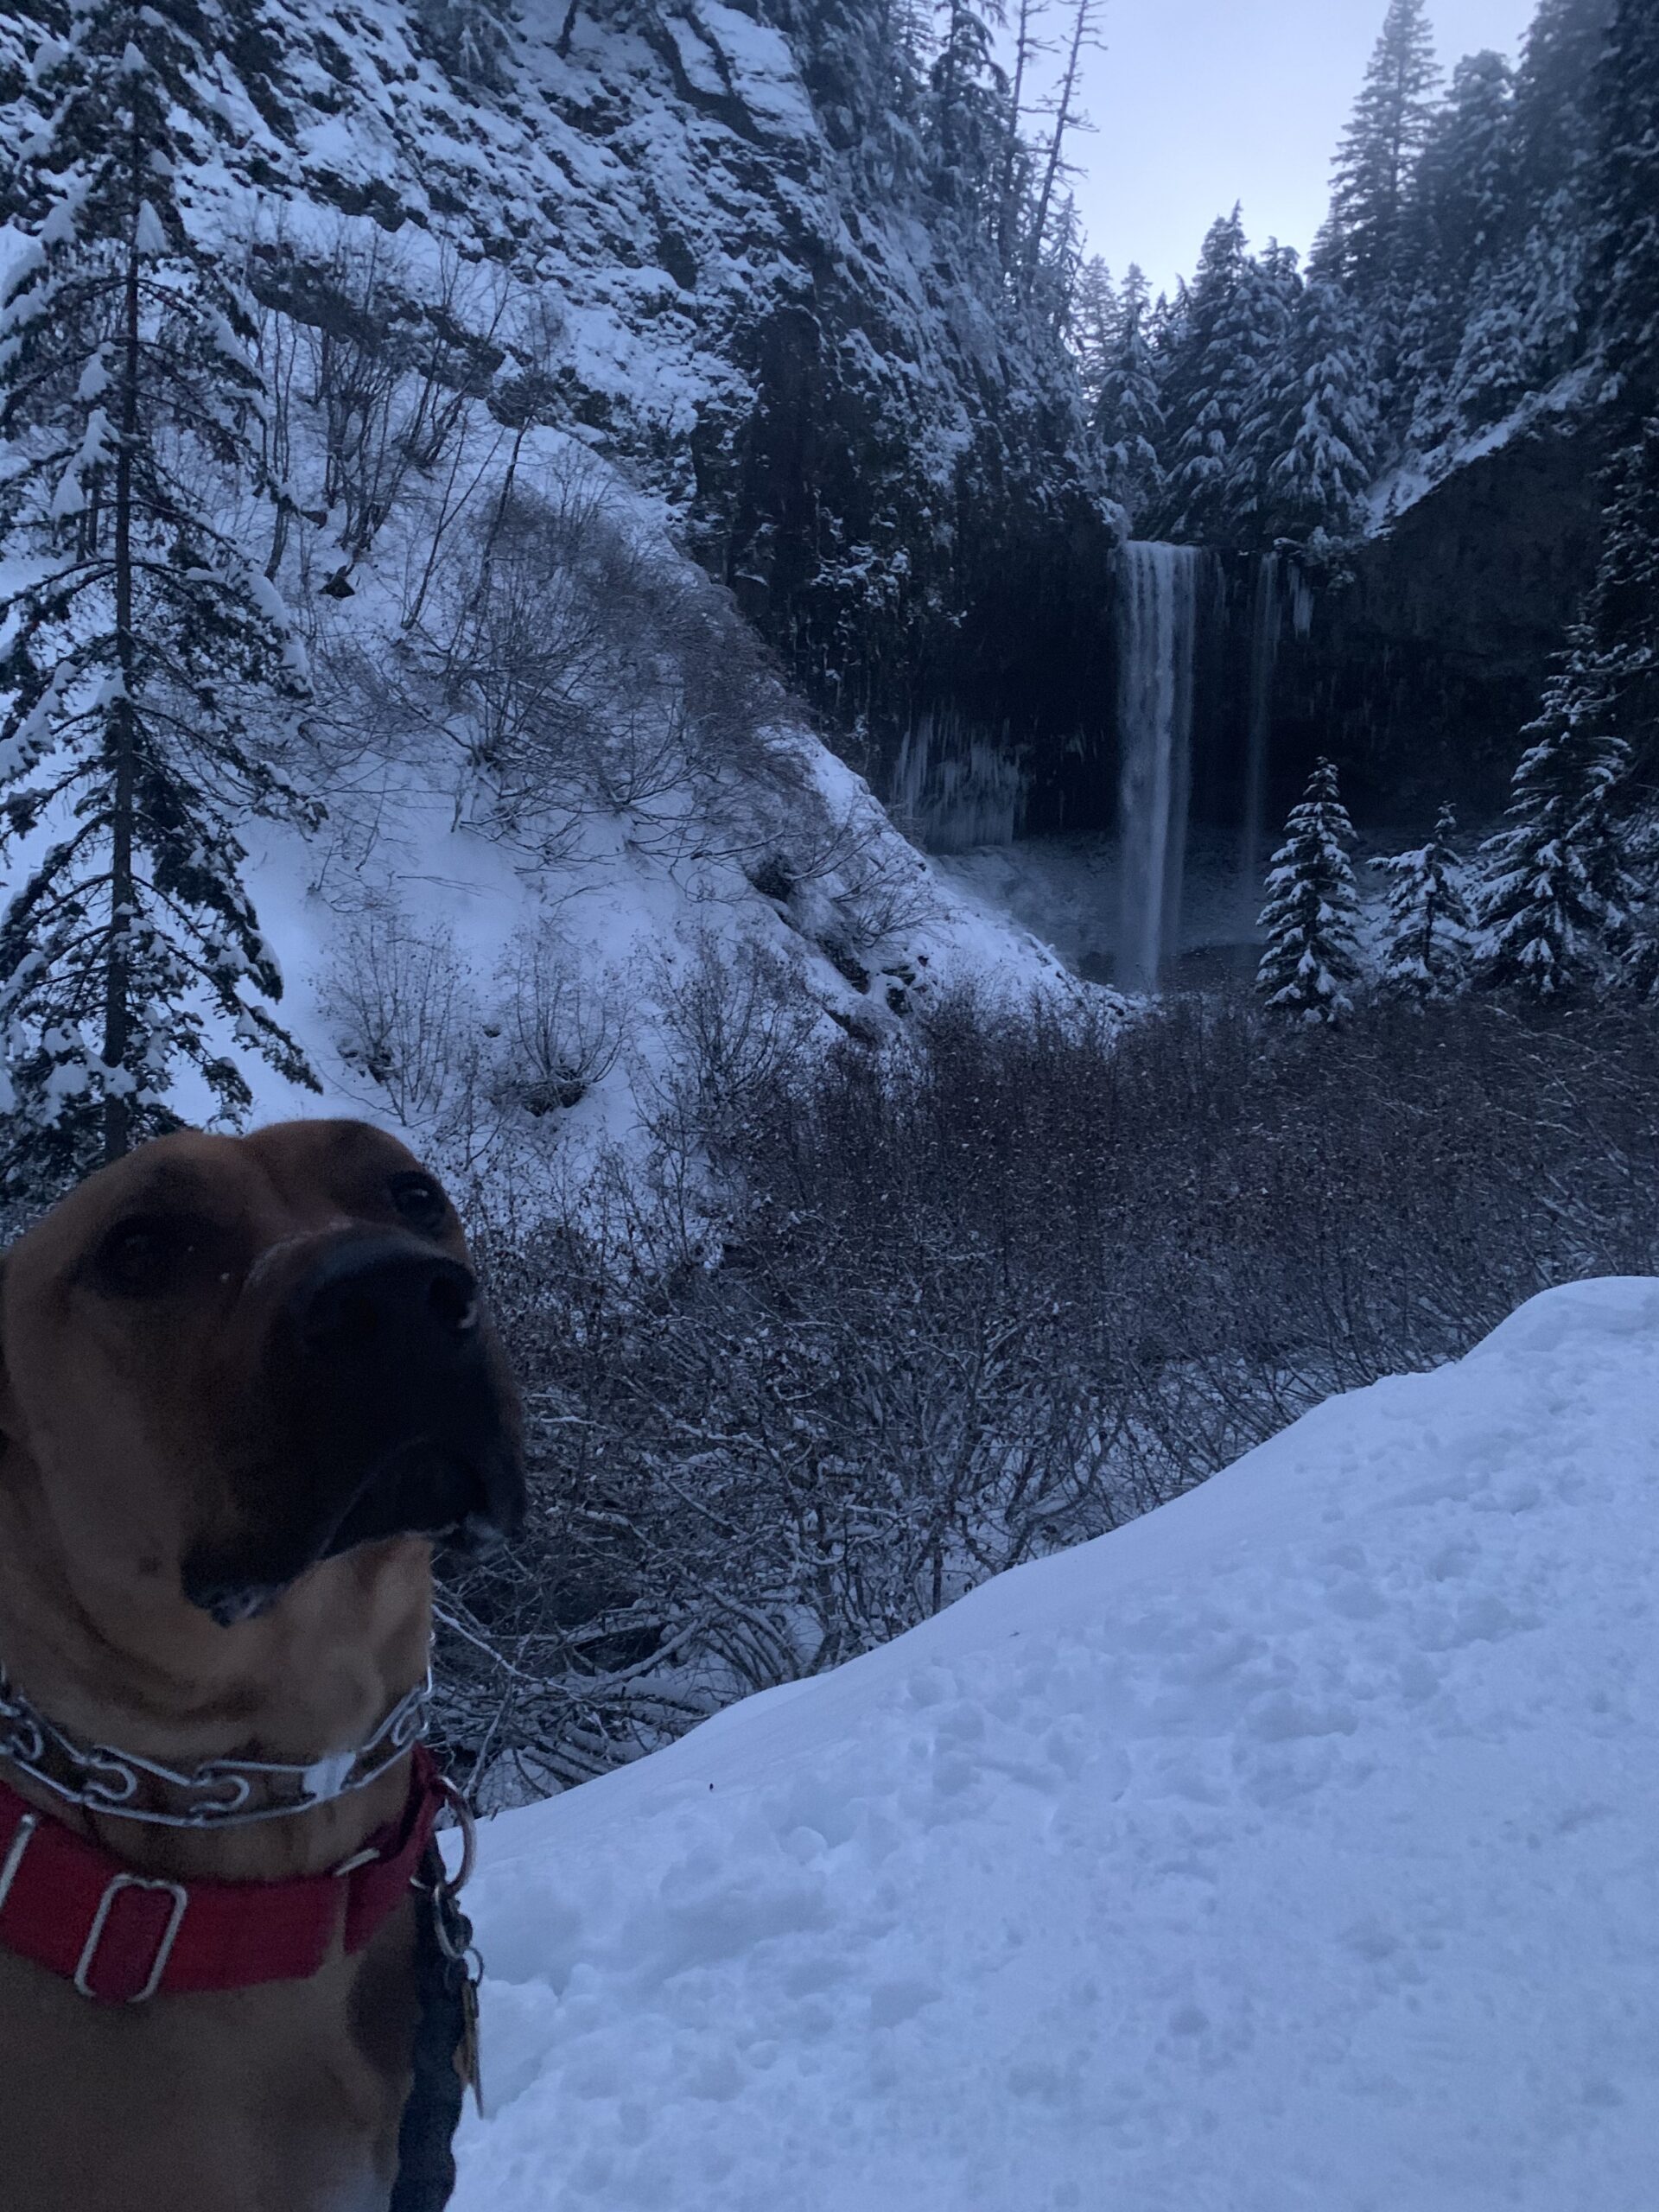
(1292, 1847)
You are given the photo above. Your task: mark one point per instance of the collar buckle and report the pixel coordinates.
(163, 1949)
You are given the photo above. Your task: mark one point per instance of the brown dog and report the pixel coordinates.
(245, 1384)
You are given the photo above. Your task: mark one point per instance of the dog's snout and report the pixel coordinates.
(379, 1301)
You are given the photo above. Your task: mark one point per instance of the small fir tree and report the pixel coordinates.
(1430, 922)
(143, 653)
(1556, 897)
(1311, 966)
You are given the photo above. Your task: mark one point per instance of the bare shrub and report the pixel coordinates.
(886, 893)
(576, 665)
(563, 1032)
(400, 1004)
(390, 369)
(933, 1310)
(740, 1022)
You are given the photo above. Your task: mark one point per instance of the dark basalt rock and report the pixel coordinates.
(1419, 675)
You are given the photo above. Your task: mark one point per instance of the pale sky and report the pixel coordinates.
(1199, 103)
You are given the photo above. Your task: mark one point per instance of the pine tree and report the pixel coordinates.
(1093, 331)
(1462, 192)
(1271, 404)
(967, 115)
(144, 657)
(1127, 414)
(1230, 328)
(1493, 373)
(1311, 964)
(1468, 317)
(1620, 660)
(1555, 97)
(1364, 237)
(1555, 907)
(1431, 924)
(1316, 486)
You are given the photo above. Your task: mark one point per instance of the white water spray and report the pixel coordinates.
(1157, 658)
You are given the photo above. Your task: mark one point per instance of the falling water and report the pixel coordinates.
(1157, 656)
(1267, 616)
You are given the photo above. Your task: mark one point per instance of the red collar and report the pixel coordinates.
(120, 1937)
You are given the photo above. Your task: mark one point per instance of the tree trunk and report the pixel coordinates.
(1026, 44)
(117, 977)
(1082, 25)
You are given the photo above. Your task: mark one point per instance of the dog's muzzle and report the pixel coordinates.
(399, 1420)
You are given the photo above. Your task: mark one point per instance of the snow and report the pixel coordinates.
(1292, 1847)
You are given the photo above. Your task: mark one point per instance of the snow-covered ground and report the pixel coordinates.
(1294, 1849)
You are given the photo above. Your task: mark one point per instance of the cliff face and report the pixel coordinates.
(1418, 673)
(703, 236)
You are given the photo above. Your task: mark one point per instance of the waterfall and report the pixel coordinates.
(1266, 616)
(1157, 660)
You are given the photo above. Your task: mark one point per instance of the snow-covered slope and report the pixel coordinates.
(1292, 1847)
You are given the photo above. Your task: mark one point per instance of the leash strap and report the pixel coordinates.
(78, 1911)
(446, 2048)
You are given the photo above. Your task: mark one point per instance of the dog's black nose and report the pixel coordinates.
(378, 1300)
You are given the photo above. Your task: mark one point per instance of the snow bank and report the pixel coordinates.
(1292, 1847)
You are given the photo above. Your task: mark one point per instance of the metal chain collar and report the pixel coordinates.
(220, 1793)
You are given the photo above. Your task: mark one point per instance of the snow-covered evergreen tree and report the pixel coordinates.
(1493, 370)
(148, 667)
(1555, 97)
(1311, 965)
(1365, 236)
(1316, 486)
(1271, 404)
(1430, 922)
(1462, 191)
(1231, 325)
(1556, 895)
(1128, 411)
(1623, 614)
(1462, 353)
(966, 117)
(1094, 330)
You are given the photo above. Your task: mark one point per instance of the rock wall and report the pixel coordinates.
(1418, 674)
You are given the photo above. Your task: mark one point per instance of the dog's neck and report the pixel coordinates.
(313, 1677)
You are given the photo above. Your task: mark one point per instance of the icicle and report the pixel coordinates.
(1302, 602)
(952, 794)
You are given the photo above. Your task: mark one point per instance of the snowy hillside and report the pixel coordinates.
(1292, 1846)
(498, 300)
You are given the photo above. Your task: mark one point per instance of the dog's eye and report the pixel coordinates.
(144, 1256)
(420, 1202)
